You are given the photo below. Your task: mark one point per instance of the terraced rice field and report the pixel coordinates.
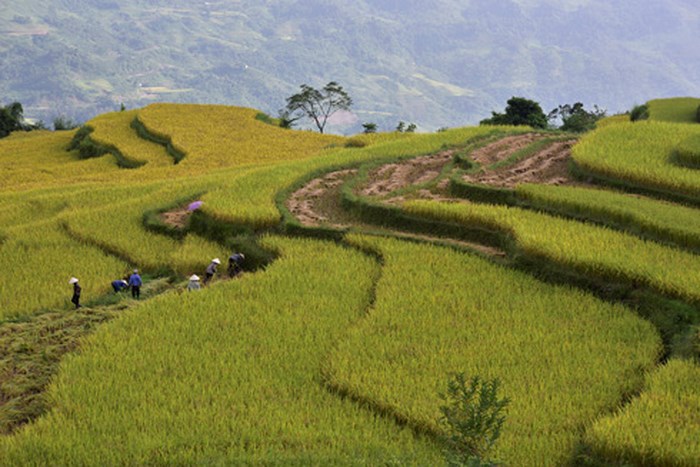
(334, 350)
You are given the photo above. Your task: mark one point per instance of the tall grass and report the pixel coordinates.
(228, 375)
(640, 154)
(114, 130)
(658, 219)
(677, 109)
(37, 262)
(588, 250)
(563, 356)
(661, 427)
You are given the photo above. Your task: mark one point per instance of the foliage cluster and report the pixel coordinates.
(519, 111)
(473, 416)
(318, 105)
(11, 119)
(639, 112)
(575, 118)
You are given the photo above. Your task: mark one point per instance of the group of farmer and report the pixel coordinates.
(235, 262)
(134, 281)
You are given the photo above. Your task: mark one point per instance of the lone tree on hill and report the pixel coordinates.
(315, 104)
(575, 118)
(519, 111)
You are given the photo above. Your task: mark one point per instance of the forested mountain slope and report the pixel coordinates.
(434, 62)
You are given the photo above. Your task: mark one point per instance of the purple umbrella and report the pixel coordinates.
(193, 206)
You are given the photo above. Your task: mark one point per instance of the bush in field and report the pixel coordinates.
(79, 136)
(403, 128)
(355, 143)
(697, 115)
(88, 149)
(62, 123)
(369, 127)
(519, 111)
(473, 418)
(639, 112)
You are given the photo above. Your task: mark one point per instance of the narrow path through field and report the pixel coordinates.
(32, 349)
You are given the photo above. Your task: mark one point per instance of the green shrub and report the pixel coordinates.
(265, 118)
(62, 123)
(88, 149)
(79, 136)
(473, 418)
(369, 127)
(639, 112)
(355, 143)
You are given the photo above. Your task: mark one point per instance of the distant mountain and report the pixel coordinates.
(432, 62)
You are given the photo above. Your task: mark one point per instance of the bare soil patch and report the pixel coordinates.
(398, 175)
(549, 166)
(317, 202)
(504, 147)
(176, 218)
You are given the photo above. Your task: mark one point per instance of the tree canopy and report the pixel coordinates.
(519, 111)
(575, 117)
(315, 104)
(11, 118)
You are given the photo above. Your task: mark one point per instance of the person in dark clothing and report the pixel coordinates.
(211, 270)
(135, 283)
(76, 292)
(119, 285)
(234, 264)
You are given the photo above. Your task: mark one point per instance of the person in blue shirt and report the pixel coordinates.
(135, 283)
(119, 285)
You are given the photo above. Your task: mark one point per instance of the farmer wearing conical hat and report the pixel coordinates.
(76, 292)
(120, 284)
(194, 283)
(211, 270)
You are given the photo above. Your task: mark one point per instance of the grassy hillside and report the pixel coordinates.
(680, 110)
(366, 283)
